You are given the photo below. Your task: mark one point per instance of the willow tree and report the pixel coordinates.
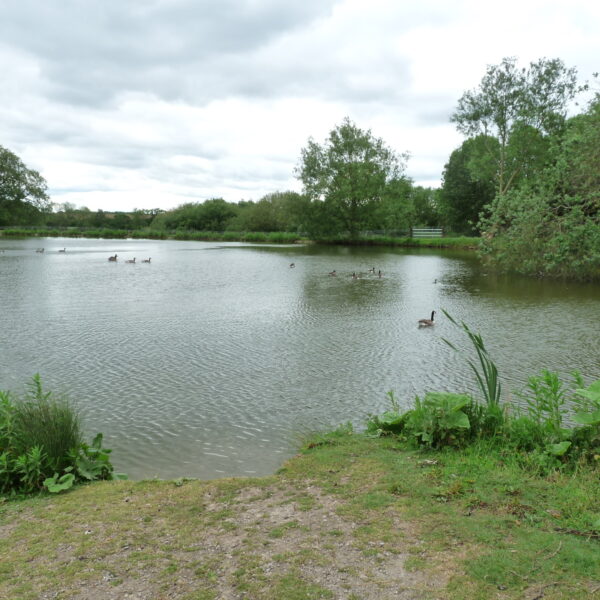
(346, 177)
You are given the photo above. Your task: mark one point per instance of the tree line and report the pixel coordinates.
(526, 178)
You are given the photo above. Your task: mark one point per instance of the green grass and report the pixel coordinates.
(471, 521)
(459, 242)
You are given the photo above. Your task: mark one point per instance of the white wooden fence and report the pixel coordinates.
(426, 233)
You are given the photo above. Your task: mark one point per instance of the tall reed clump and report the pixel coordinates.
(42, 447)
(50, 423)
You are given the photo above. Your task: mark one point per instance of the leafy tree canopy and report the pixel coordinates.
(467, 185)
(517, 107)
(551, 225)
(22, 191)
(348, 174)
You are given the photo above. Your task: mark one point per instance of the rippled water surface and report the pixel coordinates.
(214, 359)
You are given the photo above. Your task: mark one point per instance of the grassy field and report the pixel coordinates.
(350, 517)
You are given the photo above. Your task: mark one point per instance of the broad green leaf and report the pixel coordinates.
(58, 484)
(585, 418)
(457, 420)
(592, 392)
(559, 449)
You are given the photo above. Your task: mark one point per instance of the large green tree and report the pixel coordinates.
(23, 197)
(345, 178)
(467, 186)
(519, 109)
(551, 225)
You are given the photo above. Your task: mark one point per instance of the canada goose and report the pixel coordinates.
(130, 261)
(40, 250)
(427, 322)
(63, 250)
(333, 273)
(292, 265)
(113, 258)
(146, 260)
(372, 270)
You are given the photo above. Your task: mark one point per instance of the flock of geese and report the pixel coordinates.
(110, 258)
(42, 250)
(131, 261)
(422, 322)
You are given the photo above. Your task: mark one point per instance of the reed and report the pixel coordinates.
(50, 423)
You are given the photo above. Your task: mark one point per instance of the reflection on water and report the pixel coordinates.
(214, 358)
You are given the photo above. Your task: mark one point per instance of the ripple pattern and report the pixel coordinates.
(214, 359)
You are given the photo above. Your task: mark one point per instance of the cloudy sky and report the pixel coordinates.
(124, 104)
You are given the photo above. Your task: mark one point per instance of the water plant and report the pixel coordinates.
(487, 378)
(553, 428)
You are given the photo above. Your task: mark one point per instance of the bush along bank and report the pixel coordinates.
(42, 448)
(552, 429)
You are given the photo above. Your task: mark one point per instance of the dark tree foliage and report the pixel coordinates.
(467, 187)
(279, 211)
(348, 174)
(520, 108)
(552, 225)
(23, 197)
(211, 215)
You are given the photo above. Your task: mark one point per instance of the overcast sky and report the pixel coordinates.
(124, 104)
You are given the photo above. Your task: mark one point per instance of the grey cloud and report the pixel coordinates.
(91, 50)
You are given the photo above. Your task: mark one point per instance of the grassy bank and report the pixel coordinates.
(241, 236)
(469, 243)
(350, 517)
(211, 236)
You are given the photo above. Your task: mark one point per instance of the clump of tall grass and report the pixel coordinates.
(42, 447)
(48, 422)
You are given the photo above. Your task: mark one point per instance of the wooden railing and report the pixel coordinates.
(429, 232)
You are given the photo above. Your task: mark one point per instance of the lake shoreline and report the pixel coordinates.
(348, 517)
(463, 243)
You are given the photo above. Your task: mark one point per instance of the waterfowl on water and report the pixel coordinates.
(113, 258)
(292, 265)
(372, 270)
(63, 250)
(131, 261)
(146, 260)
(40, 250)
(333, 273)
(427, 322)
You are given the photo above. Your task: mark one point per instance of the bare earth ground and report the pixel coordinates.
(193, 540)
(351, 517)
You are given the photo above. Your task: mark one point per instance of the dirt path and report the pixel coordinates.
(202, 541)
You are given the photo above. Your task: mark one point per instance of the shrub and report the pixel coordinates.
(41, 445)
(41, 420)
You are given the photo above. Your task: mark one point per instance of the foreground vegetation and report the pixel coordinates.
(458, 497)
(352, 516)
(41, 445)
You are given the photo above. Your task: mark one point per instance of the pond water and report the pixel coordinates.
(214, 359)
